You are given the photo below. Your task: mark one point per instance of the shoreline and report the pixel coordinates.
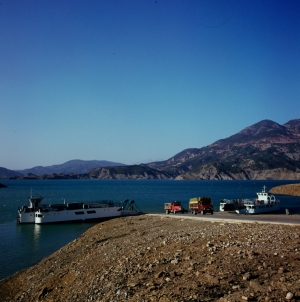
(154, 257)
(229, 217)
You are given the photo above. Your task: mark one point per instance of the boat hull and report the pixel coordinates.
(44, 217)
(259, 209)
(26, 217)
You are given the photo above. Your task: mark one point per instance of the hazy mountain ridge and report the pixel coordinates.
(6, 173)
(115, 172)
(76, 166)
(265, 150)
(127, 172)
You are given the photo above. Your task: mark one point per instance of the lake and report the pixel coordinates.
(23, 245)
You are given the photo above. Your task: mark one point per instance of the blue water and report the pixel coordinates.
(23, 245)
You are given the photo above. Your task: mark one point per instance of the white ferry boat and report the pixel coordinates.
(77, 211)
(73, 212)
(230, 205)
(264, 203)
(26, 214)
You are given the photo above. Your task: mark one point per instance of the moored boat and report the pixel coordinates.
(77, 211)
(26, 214)
(74, 211)
(264, 203)
(227, 205)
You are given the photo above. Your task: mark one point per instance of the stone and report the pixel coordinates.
(289, 296)
(247, 276)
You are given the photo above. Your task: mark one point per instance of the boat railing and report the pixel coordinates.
(102, 204)
(26, 209)
(249, 201)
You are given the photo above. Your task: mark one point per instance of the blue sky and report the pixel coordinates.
(139, 81)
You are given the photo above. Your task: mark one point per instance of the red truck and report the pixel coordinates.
(173, 207)
(201, 205)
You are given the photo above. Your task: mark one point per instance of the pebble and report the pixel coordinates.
(247, 276)
(289, 296)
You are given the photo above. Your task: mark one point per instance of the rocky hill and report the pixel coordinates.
(6, 173)
(161, 258)
(75, 166)
(290, 189)
(265, 150)
(127, 172)
(117, 172)
(68, 170)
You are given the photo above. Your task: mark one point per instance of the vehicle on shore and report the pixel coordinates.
(201, 205)
(264, 203)
(173, 207)
(73, 212)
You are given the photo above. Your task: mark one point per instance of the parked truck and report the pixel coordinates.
(201, 205)
(173, 207)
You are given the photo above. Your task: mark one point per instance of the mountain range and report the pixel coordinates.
(75, 166)
(265, 150)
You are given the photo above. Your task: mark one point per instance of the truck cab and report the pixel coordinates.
(201, 205)
(173, 207)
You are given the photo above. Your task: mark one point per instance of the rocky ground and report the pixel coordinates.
(163, 258)
(291, 189)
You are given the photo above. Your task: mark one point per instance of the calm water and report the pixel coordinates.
(23, 245)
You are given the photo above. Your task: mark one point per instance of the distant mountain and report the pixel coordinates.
(265, 150)
(127, 172)
(116, 172)
(6, 173)
(75, 166)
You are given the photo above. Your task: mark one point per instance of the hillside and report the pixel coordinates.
(116, 172)
(127, 172)
(6, 173)
(75, 166)
(161, 258)
(70, 169)
(290, 189)
(265, 150)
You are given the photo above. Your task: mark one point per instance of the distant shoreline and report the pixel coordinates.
(291, 189)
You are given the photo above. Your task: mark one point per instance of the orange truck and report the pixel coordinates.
(173, 207)
(201, 205)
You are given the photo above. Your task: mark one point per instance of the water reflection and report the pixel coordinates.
(36, 237)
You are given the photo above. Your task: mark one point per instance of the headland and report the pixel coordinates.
(163, 258)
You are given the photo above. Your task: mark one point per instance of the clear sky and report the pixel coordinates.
(141, 80)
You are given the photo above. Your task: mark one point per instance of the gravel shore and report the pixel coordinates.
(163, 258)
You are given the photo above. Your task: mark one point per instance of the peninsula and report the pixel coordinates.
(167, 258)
